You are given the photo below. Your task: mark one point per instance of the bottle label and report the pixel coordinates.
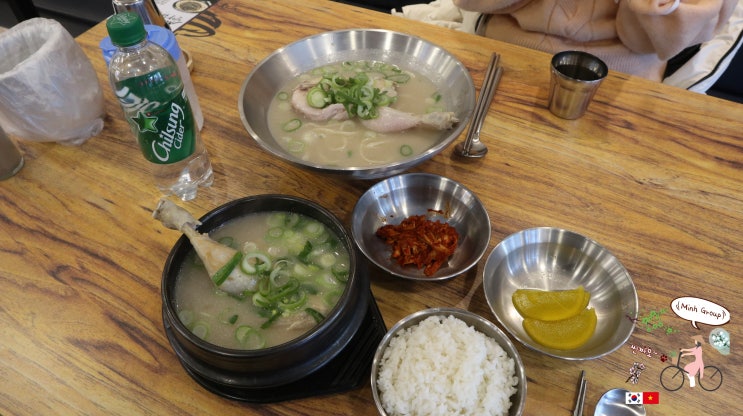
(157, 109)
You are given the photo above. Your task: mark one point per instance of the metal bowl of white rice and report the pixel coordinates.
(445, 361)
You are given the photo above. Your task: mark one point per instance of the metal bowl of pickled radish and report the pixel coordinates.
(360, 103)
(560, 293)
(440, 207)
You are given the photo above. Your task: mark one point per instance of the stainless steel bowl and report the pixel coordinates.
(394, 199)
(406, 51)
(556, 259)
(480, 324)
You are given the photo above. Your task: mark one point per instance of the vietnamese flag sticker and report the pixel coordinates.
(650, 397)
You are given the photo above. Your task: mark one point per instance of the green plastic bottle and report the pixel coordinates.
(148, 85)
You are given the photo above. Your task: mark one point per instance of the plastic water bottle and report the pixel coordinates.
(147, 83)
(165, 38)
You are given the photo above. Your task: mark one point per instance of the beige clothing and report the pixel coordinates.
(631, 36)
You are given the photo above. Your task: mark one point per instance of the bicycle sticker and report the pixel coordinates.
(674, 376)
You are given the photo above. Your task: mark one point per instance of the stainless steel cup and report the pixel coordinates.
(575, 78)
(11, 159)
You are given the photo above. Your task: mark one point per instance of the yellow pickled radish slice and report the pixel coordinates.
(565, 334)
(550, 305)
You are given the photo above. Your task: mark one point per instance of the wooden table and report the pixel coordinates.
(653, 173)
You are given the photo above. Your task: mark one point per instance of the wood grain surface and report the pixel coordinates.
(653, 173)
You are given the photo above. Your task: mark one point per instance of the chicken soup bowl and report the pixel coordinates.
(260, 373)
(271, 79)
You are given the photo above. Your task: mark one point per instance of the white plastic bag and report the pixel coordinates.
(49, 90)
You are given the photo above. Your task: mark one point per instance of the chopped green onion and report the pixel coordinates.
(326, 260)
(279, 278)
(253, 263)
(296, 146)
(288, 289)
(228, 316)
(305, 253)
(227, 241)
(294, 301)
(221, 275)
(341, 271)
(313, 228)
(249, 337)
(292, 220)
(310, 289)
(291, 125)
(399, 78)
(264, 286)
(283, 96)
(186, 317)
(357, 92)
(260, 300)
(317, 97)
(274, 316)
(276, 219)
(274, 233)
(406, 150)
(317, 316)
(200, 329)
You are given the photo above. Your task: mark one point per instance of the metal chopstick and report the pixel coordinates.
(581, 395)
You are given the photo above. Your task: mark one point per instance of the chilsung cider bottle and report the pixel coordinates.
(147, 83)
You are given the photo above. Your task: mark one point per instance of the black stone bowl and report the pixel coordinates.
(250, 374)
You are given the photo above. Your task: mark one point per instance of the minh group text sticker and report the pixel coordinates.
(699, 310)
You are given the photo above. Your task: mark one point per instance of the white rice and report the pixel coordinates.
(442, 366)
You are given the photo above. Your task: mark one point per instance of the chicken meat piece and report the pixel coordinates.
(213, 254)
(299, 104)
(391, 120)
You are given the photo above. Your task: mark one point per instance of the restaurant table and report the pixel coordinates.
(653, 173)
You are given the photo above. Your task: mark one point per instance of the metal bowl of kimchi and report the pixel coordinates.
(272, 77)
(421, 226)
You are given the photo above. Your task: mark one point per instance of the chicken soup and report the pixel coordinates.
(301, 269)
(358, 114)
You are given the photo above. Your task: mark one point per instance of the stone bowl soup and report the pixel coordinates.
(301, 269)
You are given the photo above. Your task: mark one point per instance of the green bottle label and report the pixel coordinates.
(157, 109)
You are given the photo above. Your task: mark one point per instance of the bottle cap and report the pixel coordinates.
(155, 34)
(126, 29)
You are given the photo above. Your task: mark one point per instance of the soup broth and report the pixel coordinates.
(302, 269)
(348, 143)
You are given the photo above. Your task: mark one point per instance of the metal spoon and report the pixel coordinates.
(472, 146)
(613, 403)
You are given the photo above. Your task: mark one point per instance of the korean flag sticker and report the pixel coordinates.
(633, 398)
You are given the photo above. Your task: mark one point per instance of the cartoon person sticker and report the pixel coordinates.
(696, 366)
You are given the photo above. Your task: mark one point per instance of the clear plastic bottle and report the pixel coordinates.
(147, 83)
